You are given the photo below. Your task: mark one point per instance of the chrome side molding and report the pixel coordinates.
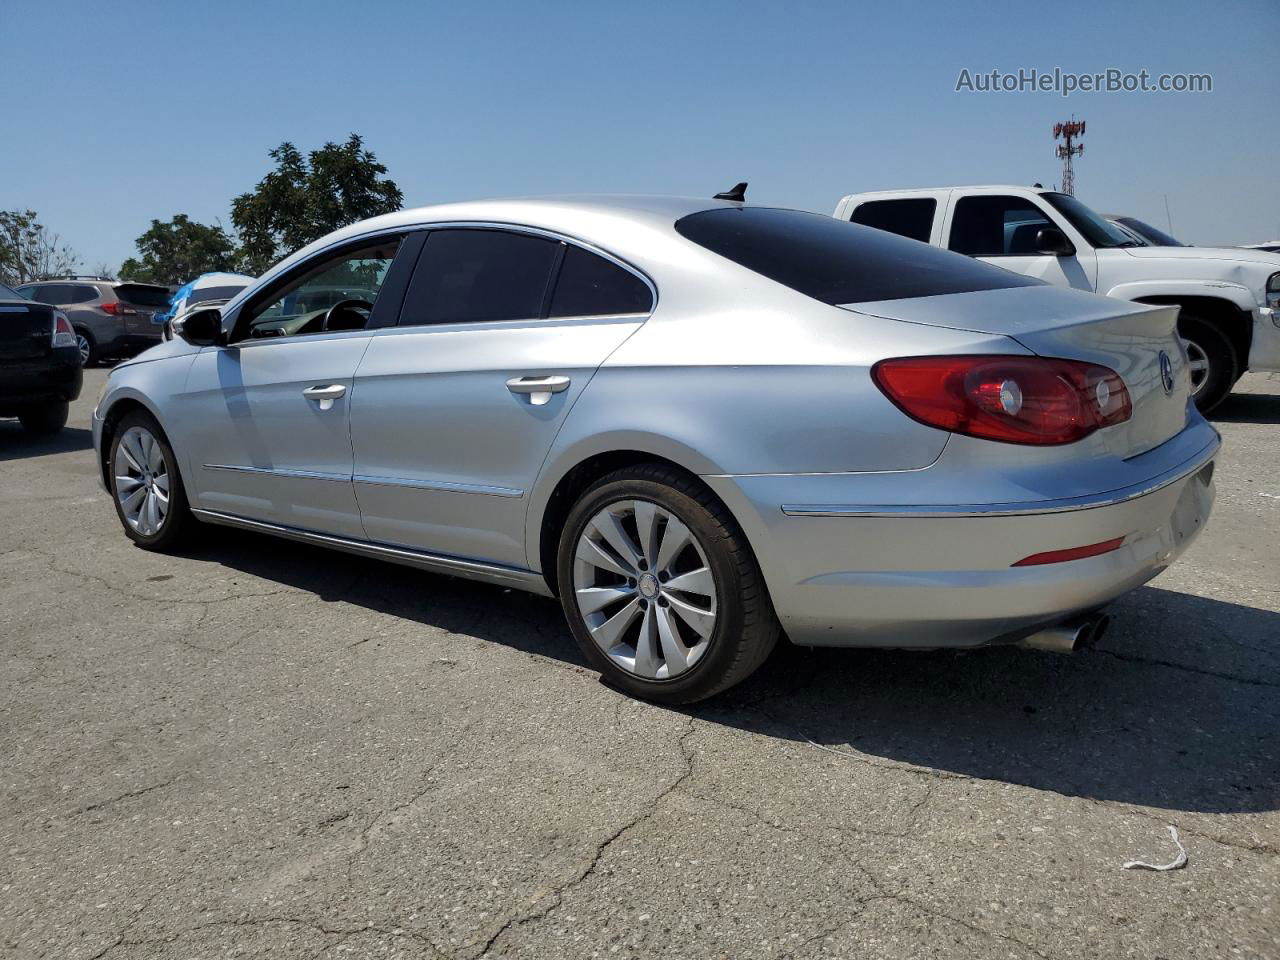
(526, 580)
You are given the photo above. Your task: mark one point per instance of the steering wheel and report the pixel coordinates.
(333, 319)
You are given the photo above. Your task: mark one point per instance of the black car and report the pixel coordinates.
(40, 372)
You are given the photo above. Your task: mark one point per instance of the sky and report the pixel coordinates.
(125, 112)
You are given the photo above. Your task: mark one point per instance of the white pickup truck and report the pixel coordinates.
(1230, 297)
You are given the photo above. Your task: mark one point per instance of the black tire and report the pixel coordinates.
(93, 353)
(46, 420)
(178, 528)
(746, 627)
(1206, 340)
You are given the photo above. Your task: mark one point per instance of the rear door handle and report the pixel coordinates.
(325, 395)
(538, 389)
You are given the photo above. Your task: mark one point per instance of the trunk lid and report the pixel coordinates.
(1053, 322)
(26, 330)
(146, 298)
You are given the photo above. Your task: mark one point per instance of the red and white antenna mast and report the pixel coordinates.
(1068, 149)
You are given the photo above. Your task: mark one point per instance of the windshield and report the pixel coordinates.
(1097, 230)
(839, 262)
(1157, 238)
(8, 293)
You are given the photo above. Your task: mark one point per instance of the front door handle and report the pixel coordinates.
(325, 395)
(538, 389)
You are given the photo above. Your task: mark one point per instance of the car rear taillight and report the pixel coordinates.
(1030, 400)
(63, 335)
(118, 309)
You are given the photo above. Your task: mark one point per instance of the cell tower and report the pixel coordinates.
(1068, 149)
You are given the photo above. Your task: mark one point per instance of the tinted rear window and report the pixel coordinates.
(838, 262)
(468, 276)
(591, 286)
(143, 295)
(911, 218)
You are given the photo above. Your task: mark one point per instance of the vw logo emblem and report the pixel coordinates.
(1166, 372)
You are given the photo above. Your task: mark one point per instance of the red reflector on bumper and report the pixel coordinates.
(1071, 553)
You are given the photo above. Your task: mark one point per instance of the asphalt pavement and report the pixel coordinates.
(262, 749)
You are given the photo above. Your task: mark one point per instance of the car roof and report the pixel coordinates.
(632, 226)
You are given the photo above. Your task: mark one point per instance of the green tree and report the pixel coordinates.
(29, 250)
(304, 198)
(178, 251)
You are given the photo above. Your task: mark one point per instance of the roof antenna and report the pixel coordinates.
(738, 193)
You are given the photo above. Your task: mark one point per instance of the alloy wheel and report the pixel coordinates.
(1198, 365)
(82, 342)
(644, 589)
(142, 481)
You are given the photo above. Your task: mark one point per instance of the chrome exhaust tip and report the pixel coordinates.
(1069, 635)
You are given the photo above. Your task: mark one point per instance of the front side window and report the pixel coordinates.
(838, 262)
(591, 286)
(996, 226)
(304, 304)
(910, 217)
(478, 275)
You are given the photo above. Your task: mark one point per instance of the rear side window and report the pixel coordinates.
(143, 295)
(468, 276)
(81, 293)
(53, 293)
(996, 227)
(838, 262)
(911, 218)
(591, 286)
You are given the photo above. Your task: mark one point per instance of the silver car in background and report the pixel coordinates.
(700, 424)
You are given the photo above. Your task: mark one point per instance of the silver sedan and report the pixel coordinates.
(701, 424)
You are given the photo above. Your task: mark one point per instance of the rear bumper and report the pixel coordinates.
(942, 575)
(56, 377)
(1264, 351)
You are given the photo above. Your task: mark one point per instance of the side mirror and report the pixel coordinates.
(200, 328)
(1054, 243)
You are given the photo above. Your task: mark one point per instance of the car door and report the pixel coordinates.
(1002, 230)
(265, 419)
(454, 409)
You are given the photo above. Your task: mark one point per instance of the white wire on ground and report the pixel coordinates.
(1179, 861)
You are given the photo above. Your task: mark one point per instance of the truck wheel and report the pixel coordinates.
(1212, 358)
(88, 347)
(45, 421)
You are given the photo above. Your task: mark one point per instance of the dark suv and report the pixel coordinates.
(111, 318)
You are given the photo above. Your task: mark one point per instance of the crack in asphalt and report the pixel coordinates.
(125, 796)
(1200, 671)
(556, 896)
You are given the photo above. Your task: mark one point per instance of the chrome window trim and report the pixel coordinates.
(434, 563)
(562, 238)
(1031, 508)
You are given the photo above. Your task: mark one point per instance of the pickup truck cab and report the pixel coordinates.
(1229, 297)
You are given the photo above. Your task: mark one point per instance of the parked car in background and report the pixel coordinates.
(696, 422)
(39, 363)
(111, 318)
(208, 288)
(1229, 299)
(1272, 246)
(1145, 232)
